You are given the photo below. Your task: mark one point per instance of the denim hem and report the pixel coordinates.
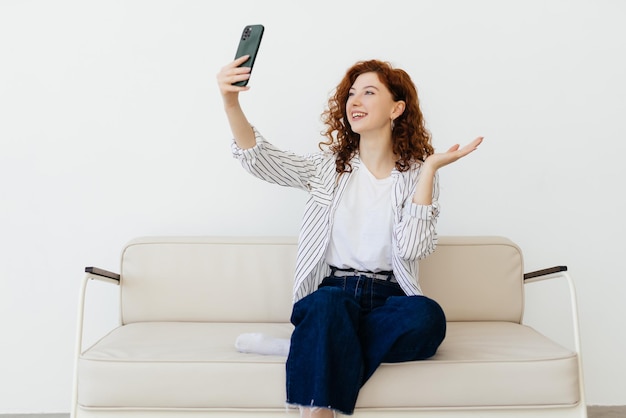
(300, 406)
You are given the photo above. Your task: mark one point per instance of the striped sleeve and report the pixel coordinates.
(269, 163)
(416, 234)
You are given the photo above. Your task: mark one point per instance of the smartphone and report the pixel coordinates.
(249, 45)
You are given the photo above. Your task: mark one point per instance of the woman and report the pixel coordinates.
(371, 213)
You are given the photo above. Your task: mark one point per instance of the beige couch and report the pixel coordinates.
(184, 301)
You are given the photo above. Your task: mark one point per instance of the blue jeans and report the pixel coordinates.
(346, 329)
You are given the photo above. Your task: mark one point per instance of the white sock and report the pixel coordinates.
(262, 344)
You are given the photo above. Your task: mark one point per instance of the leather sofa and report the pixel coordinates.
(184, 301)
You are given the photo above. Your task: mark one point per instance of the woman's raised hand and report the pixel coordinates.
(232, 73)
(424, 190)
(454, 153)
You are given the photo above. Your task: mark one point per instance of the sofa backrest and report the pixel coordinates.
(249, 279)
(214, 279)
(475, 278)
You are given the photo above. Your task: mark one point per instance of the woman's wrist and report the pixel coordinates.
(427, 169)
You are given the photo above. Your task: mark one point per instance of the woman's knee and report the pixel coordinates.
(424, 315)
(433, 320)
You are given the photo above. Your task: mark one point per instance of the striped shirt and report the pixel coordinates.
(414, 233)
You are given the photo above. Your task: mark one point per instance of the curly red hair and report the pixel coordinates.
(410, 138)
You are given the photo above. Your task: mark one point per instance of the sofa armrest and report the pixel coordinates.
(101, 274)
(561, 272)
(543, 274)
(92, 273)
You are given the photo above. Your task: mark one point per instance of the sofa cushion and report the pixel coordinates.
(195, 365)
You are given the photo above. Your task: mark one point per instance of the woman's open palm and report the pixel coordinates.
(454, 153)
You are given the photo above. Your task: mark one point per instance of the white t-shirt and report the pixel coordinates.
(362, 228)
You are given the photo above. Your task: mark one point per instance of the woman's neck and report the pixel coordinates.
(377, 155)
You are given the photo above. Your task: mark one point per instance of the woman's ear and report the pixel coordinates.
(398, 109)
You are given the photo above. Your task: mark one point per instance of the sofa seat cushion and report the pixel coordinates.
(195, 365)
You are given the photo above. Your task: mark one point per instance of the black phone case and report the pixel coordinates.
(249, 45)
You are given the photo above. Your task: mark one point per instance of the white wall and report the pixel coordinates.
(111, 127)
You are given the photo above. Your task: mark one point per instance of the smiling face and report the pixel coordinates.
(370, 106)
(352, 116)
